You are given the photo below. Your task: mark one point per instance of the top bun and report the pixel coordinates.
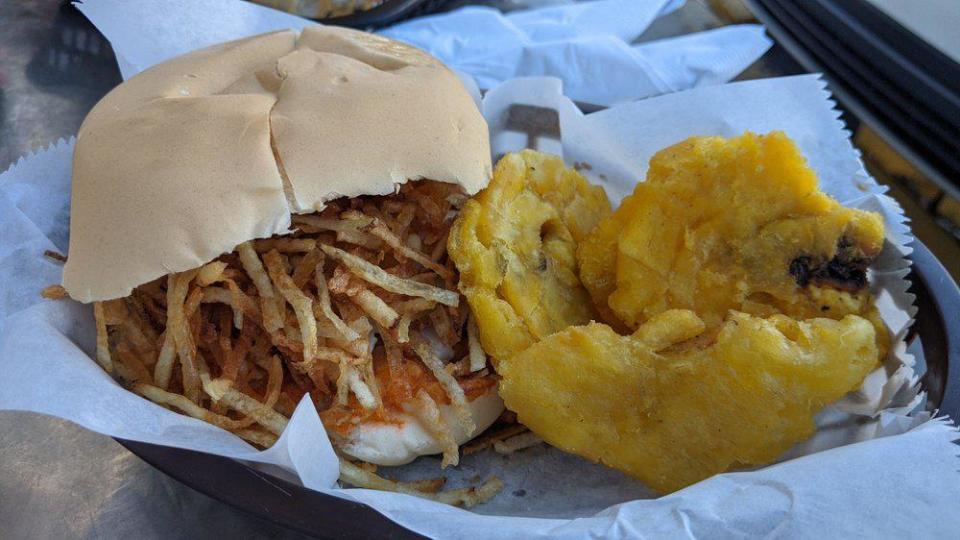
(208, 150)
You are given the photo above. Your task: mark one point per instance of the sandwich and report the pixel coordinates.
(265, 221)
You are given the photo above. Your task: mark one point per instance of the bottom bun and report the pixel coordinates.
(393, 444)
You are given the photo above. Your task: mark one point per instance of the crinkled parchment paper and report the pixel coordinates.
(892, 473)
(592, 52)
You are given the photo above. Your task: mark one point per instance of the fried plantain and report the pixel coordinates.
(515, 247)
(673, 404)
(737, 223)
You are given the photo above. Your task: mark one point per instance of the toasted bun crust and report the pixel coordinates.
(392, 444)
(196, 155)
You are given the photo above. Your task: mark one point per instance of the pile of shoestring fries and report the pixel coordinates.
(357, 308)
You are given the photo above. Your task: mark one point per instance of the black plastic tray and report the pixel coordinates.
(887, 76)
(325, 516)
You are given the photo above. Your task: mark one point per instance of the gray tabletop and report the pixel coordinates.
(56, 479)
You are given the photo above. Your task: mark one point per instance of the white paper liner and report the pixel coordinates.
(588, 49)
(579, 43)
(45, 346)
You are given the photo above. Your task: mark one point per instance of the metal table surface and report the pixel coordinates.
(56, 479)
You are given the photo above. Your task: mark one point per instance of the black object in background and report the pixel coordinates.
(904, 88)
(387, 13)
